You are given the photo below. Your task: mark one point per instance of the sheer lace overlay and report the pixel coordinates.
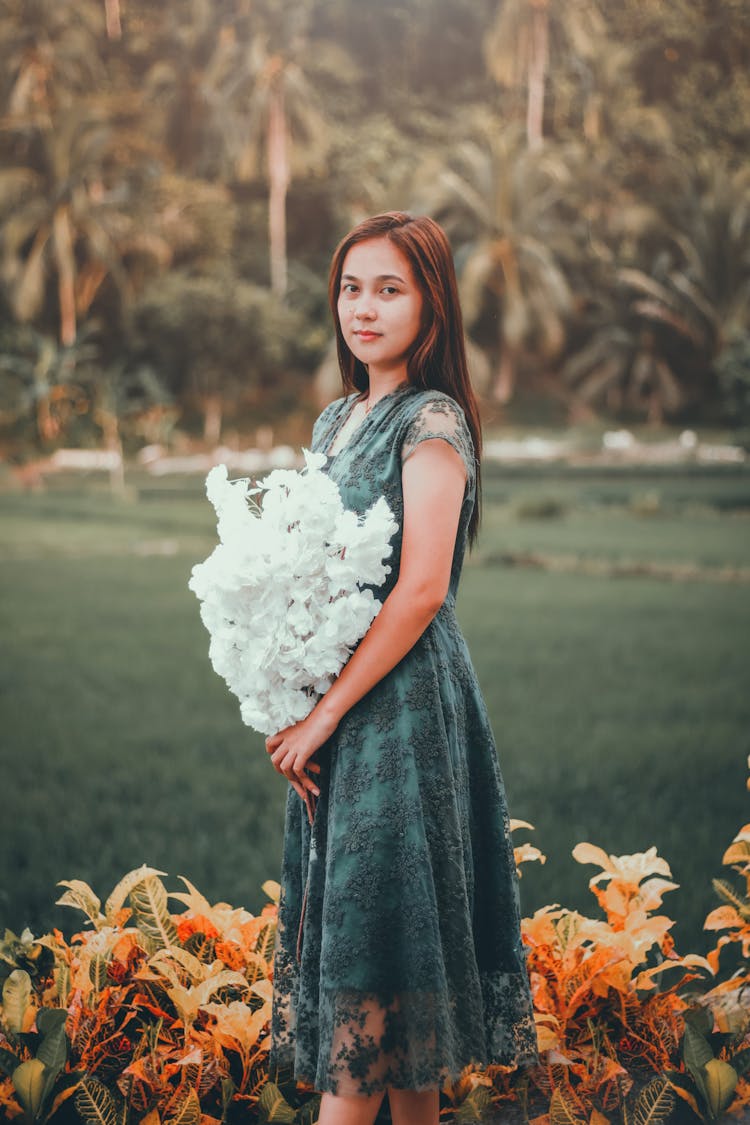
(441, 418)
(398, 956)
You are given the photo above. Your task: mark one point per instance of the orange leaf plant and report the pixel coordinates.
(159, 1018)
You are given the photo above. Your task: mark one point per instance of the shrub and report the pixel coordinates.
(163, 1018)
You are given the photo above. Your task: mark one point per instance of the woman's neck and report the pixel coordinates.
(383, 383)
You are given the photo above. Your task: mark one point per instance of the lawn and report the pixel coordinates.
(620, 704)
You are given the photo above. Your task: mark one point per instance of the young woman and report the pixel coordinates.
(398, 955)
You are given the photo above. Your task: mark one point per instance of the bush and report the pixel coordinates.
(150, 1016)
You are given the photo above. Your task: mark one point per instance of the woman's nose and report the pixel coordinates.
(364, 308)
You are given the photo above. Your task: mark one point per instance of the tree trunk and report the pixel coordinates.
(538, 57)
(278, 177)
(113, 444)
(212, 417)
(112, 16)
(592, 118)
(502, 391)
(47, 425)
(66, 274)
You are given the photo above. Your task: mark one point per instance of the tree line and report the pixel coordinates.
(173, 179)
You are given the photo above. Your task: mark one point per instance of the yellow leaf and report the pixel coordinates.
(598, 1118)
(28, 1079)
(738, 852)
(563, 1110)
(16, 998)
(526, 853)
(263, 988)
(188, 1111)
(589, 853)
(546, 1038)
(720, 1079)
(722, 917)
(272, 889)
(123, 888)
(80, 896)
(691, 960)
(655, 1103)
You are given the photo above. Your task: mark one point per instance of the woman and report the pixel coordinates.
(398, 955)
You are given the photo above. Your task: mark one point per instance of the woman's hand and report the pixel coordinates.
(292, 748)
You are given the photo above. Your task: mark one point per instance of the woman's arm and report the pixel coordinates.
(433, 478)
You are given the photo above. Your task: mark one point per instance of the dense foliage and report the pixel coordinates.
(149, 1016)
(174, 177)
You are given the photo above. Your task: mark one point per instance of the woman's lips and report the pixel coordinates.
(367, 335)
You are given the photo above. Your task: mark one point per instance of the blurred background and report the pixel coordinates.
(173, 180)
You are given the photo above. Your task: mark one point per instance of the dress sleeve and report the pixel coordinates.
(441, 418)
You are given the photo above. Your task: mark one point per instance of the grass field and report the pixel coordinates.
(620, 704)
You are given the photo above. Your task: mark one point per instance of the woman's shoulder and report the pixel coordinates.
(427, 397)
(330, 412)
(428, 403)
(436, 414)
(336, 403)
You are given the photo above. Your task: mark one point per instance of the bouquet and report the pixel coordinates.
(282, 594)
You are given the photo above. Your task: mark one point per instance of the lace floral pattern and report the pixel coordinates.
(398, 956)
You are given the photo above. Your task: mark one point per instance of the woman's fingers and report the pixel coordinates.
(285, 761)
(298, 789)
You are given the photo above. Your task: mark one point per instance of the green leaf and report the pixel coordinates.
(265, 942)
(149, 901)
(721, 1080)
(28, 1079)
(696, 1052)
(98, 971)
(95, 1104)
(62, 982)
(308, 1113)
(228, 1089)
(116, 900)
(700, 1019)
(474, 1106)
(654, 1103)
(273, 1106)
(188, 1111)
(16, 995)
(8, 1061)
(741, 1061)
(726, 891)
(53, 1049)
(563, 1110)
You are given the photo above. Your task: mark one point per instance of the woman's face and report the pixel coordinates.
(379, 305)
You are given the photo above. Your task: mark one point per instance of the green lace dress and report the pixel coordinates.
(398, 957)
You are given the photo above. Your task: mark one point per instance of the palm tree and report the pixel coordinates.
(242, 94)
(517, 51)
(592, 70)
(59, 217)
(285, 121)
(112, 19)
(501, 203)
(49, 55)
(681, 299)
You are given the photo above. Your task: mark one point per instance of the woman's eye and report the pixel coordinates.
(389, 289)
(348, 287)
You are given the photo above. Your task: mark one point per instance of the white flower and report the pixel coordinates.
(282, 593)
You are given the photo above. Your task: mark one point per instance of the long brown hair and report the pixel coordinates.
(438, 358)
